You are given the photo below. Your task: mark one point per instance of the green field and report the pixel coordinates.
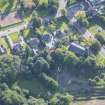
(3, 42)
(14, 37)
(26, 33)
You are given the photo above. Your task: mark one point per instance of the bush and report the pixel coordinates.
(49, 81)
(95, 47)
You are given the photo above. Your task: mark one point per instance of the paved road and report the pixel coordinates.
(62, 5)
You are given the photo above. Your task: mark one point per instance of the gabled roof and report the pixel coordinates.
(34, 42)
(77, 49)
(59, 33)
(46, 38)
(96, 2)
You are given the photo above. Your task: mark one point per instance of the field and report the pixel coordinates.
(14, 37)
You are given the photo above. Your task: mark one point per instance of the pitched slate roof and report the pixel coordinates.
(77, 49)
(46, 38)
(34, 42)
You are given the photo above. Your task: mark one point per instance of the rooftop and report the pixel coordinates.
(77, 49)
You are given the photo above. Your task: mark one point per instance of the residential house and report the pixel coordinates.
(46, 21)
(59, 34)
(28, 3)
(18, 47)
(78, 49)
(46, 38)
(96, 2)
(34, 44)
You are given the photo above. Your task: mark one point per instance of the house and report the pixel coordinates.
(28, 3)
(59, 34)
(46, 38)
(34, 43)
(17, 48)
(96, 2)
(46, 21)
(78, 49)
(2, 49)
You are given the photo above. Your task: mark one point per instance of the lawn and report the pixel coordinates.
(94, 29)
(43, 2)
(64, 26)
(26, 33)
(100, 60)
(14, 37)
(33, 85)
(3, 42)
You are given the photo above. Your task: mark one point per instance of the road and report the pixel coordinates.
(62, 5)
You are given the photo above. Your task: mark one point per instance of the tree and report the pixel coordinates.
(61, 99)
(71, 60)
(12, 97)
(80, 15)
(58, 58)
(95, 47)
(34, 101)
(41, 65)
(9, 68)
(51, 83)
(87, 67)
(101, 38)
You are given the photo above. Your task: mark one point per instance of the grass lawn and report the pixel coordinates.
(94, 29)
(43, 2)
(64, 26)
(100, 60)
(3, 42)
(26, 33)
(33, 85)
(14, 37)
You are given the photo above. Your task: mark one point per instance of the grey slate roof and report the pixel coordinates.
(34, 42)
(77, 49)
